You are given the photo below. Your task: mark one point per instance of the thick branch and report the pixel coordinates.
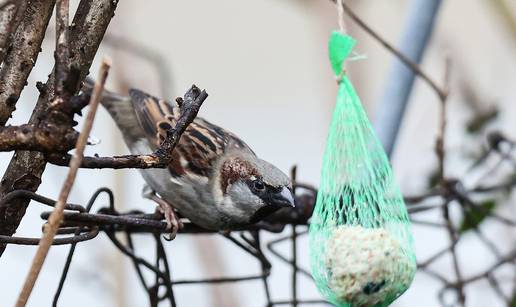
(191, 103)
(44, 138)
(11, 13)
(25, 169)
(7, 17)
(22, 55)
(56, 217)
(62, 53)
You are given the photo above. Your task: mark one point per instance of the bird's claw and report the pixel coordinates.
(174, 224)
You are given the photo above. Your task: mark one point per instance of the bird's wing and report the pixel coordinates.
(199, 146)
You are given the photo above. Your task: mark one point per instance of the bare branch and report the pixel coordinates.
(44, 138)
(25, 169)
(115, 162)
(57, 214)
(10, 18)
(147, 53)
(416, 68)
(439, 143)
(61, 53)
(192, 101)
(7, 17)
(23, 54)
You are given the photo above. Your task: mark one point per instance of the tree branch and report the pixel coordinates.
(11, 13)
(416, 68)
(22, 55)
(7, 17)
(62, 53)
(56, 217)
(25, 169)
(44, 138)
(192, 101)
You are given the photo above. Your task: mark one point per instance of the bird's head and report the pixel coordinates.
(251, 187)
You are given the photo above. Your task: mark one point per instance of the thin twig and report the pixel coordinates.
(147, 53)
(439, 143)
(192, 102)
(508, 258)
(446, 186)
(57, 214)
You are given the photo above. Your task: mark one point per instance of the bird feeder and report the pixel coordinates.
(360, 239)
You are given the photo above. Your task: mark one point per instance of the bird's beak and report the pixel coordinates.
(276, 201)
(284, 198)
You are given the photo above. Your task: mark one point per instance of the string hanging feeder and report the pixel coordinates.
(360, 240)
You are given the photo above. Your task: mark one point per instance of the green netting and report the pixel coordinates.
(360, 240)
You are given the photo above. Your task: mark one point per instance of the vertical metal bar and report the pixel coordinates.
(294, 266)
(293, 178)
(400, 79)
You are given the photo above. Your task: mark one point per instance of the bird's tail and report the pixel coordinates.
(121, 110)
(109, 98)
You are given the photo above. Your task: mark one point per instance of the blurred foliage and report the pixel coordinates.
(433, 178)
(474, 217)
(508, 15)
(480, 121)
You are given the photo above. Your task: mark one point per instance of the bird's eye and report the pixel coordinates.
(258, 185)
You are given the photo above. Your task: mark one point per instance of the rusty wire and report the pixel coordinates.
(84, 226)
(81, 225)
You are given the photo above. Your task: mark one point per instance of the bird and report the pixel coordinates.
(214, 179)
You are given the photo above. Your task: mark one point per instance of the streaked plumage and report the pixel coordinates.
(214, 178)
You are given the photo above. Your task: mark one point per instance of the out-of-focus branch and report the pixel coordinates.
(502, 7)
(441, 157)
(23, 54)
(147, 53)
(57, 214)
(439, 143)
(415, 67)
(25, 169)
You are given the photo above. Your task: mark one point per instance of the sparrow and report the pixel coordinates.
(214, 178)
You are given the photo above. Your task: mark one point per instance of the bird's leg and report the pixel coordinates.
(173, 222)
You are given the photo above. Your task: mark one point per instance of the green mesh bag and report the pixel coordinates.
(360, 241)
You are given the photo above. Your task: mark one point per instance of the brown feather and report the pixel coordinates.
(201, 144)
(234, 169)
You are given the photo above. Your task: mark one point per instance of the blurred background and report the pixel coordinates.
(264, 64)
